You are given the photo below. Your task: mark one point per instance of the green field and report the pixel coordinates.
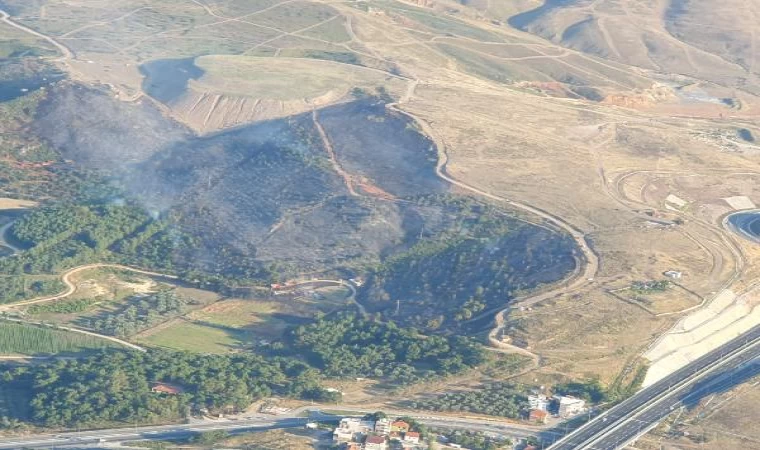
(25, 339)
(197, 338)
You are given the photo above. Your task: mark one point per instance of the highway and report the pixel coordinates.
(78, 439)
(636, 415)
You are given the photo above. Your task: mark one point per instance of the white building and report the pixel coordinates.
(349, 427)
(343, 435)
(673, 274)
(539, 402)
(570, 406)
(383, 426)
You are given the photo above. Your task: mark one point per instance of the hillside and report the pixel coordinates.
(690, 37)
(506, 170)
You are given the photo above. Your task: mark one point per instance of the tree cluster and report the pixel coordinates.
(348, 346)
(141, 313)
(116, 386)
(481, 262)
(499, 399)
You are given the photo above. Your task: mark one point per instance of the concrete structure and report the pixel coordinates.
(618, 426)
(569, 406)
(342, 435)
(673, 274)
(349, 427)
(540, 402)
(383, 426)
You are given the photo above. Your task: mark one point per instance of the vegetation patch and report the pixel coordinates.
(483, 261)
(476, 440)
(63, 306)
(34, 340)
(195, 337)
(115, 387)
(499, 399)
(348, 346)
(140, 313)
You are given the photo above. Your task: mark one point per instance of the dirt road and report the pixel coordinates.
(71, 288)
(65, 52)
(586, 269)
(3, 241)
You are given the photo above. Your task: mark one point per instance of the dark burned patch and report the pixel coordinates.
(643, 143)
(88, 126)
(385, 147)
(446, 282)
(588, 93)
(21, 77)
(166, 79)
(265, 198)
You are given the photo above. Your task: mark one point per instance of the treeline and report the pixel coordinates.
(116, 386)
(499, 399)
(349, 346)
(590, 390)
(140, 313)
(19, 287)
(65, 235)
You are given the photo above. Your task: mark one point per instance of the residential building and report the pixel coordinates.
(350, 427)
(343, 435)
(538, 415)
(411, 437)
(352, 446)
(383, 426)
(375, 442)
(539, 402)
(166, 388)
(400, 426)
(357, 425)
(569, 406)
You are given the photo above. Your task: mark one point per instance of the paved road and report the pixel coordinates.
(639, 413)
(494, 425)
(256, 422)
(259, 423)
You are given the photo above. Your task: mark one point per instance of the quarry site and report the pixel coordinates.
(572, 184)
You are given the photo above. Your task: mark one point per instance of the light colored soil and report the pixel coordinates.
(14, 203)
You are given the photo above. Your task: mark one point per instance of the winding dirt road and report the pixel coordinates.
(71, 288)
(3, 241)
(586, 268)
(66, 53)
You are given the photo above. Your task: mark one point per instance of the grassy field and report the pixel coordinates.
(194, 337)
(280, 79)
(234, 324)
(24, 339)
